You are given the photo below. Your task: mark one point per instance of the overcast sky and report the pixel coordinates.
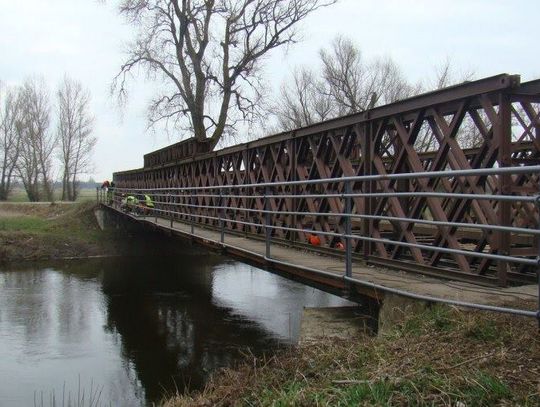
(85, 39)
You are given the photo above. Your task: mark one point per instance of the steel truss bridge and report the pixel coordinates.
(445, 183)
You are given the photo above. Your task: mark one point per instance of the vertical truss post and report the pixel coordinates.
(294, 202)
(244, 191)
(504, 136)
(268, 220)
(371, 203)
(221, 216)
(348, 229)
(368, 186)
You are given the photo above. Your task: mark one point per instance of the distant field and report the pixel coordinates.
(19, 195)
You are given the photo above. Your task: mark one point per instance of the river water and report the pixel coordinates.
(129, 331)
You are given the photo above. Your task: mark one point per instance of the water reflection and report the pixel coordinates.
(51, 335)
(271, 301)
(139, 326)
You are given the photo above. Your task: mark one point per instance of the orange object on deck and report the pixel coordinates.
(314, 240)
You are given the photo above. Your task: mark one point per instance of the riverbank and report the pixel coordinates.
(442, 356)
(41, 231)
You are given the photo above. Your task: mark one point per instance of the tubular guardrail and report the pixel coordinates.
(218, 206)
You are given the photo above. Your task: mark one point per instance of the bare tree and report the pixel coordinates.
(347, 84)
(209, 55)
(74, 130)
(446, 74)
(10, 141)
(303, 101)
(468, 135)
(37, 142)
(355, 84)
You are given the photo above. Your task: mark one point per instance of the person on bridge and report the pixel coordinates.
(131, 203)
(148, 203)
(110, 193)
(123, 201)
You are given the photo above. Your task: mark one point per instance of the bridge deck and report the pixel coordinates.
(309, 265)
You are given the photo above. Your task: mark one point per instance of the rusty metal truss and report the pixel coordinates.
(489, 123)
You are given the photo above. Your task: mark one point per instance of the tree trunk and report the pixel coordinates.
(74, 189)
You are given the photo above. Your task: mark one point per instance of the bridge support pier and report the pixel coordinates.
(105, 219)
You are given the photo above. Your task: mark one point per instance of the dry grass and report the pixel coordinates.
(443, 356)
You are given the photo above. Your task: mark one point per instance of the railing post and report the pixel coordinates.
(191, 212)
(348, 229)
(170, 206)
(221, 216)
(538, 257)
(503, 135)
(97, 195)
(268, 220)
(155, 202)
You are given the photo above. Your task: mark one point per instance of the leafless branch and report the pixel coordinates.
(210, 54)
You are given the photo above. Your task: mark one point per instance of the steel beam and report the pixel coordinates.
(380, 143)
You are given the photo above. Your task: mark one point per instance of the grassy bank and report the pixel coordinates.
(442, 356)
(44, 231)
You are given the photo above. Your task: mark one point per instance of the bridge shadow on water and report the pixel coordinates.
(180, 312)
(170, 328)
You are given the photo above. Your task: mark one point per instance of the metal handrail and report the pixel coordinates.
(483, 307)
(386, 177)
(361, 216)
(518, 260)
(490, 197)
(272, 194)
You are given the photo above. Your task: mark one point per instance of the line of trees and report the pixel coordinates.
(348, 83)
(36, 138)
